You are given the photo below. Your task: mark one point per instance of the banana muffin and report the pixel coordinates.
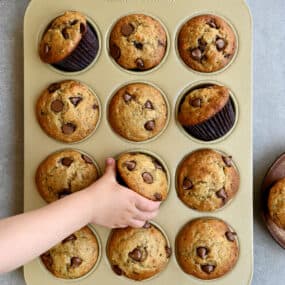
(143, 174)
(138, 253)
(207, 112)
(207, 248)
(63, 173)
(74, 257)
(206, 43)
(69, 42)
(138, 112)
(207, 180)
(68, 111)
(138, 42)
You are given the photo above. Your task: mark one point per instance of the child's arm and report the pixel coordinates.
(105, 203)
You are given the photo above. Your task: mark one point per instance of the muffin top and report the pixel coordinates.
(207, 180)
(68, 111)
(62, 36)
(138, 42)
(276, 203)
(206, 43)
(143, 174)
(207, 248)
(199, 105)
(138, 112)
(138, 253)
(74, 256)
(63, 173)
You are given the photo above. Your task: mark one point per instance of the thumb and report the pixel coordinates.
(110, 168)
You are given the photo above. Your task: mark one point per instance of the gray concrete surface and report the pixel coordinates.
(269, 119)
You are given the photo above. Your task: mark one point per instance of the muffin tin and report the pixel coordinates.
(104, 76)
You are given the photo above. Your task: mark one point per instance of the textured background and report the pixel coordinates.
(269, 118)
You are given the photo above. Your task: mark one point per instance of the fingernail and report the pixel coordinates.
(109, 160)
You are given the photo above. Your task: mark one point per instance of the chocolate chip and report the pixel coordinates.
(87, 159)
(83, 28)
(95, 107)
(147, 177)
(140, 63)
(47, 259)
(220, 44)
(187, 184)
(168, 251)
(57, 106)
(117, 270)
(47, 48)
(69, 238)
(231, 236)
(115, 51)
(158, 197)
(68, 128)
(208, 268)
(148, 105)
(202, 252)
(74, 22)
(157, 165)
(222, 194)
(161, 43)
(150, 125)
(131, 165)
(202, 44)
(138, 45)
(63, 193)
(147, 225)
(136, 254)
(65, 34)
(212, 24)
(66, 161)
(75, 100)
(127, 97)
(75, 261)
(228, 160)
(127, 30)
(196, 54)
(196, 102)
(53, 87)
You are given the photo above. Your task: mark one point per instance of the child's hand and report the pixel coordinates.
(116, 206)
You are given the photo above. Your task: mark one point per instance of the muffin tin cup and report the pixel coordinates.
(171, 146)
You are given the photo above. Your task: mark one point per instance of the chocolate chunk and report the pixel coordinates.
(65, 34)
(147, 225)
(68, 128)
(63, 193)
(47, 48)
(220, 44)
(75, 261)
(87, 159)
(212, 24)
(74, 22)
(168, 251)
(148, 105)
(150, 125)
(202, 252)
(117, 270)
(66, 161)
(202, 44)
(47, 259)
(158, 197)
(83, 28)
(231, 236)
(127, 30)
(131, 165)
(127, 97)
(75, 100)
(196, 54)
(115, 51)
(147, 177)
(53, 87)
(69, 238)
(136, 254)
(95, 107)
(196, 102)
(222, 194)
(57, 106)
(228, 160)
(187, 184)
(138, 45)
(208, 268)
(140, 63)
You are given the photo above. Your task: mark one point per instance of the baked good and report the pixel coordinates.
(207, 180)
(138, 112)
(143, 174)
(206, 43)
(69, 42)
(207, 248)
(207, 113)
(68, 111)
(276, 203)
(63, 173)
(138, 42)
(75, 256)
(138, 253)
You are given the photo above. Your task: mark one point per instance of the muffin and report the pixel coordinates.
(68, 111)
(63, 173)
(138, 253)
(75, 256)
(143, 174)
(206, 43)
(207, 248)
(206, 180)
(69, 43)
(138, 42)
(138, 112)
(276, 203)
(207, 113)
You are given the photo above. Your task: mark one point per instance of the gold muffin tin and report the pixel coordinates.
(104, 76)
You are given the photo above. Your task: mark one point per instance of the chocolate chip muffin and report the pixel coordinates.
(207, 112)
(63, 173)
(207, 248)
(69, 43)
(68, 111)
(206, 43)
(75, 256)
(138, 253)
(207, 180)
(143, 174)
(276, 203)
(138, 42)
(138, 112)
